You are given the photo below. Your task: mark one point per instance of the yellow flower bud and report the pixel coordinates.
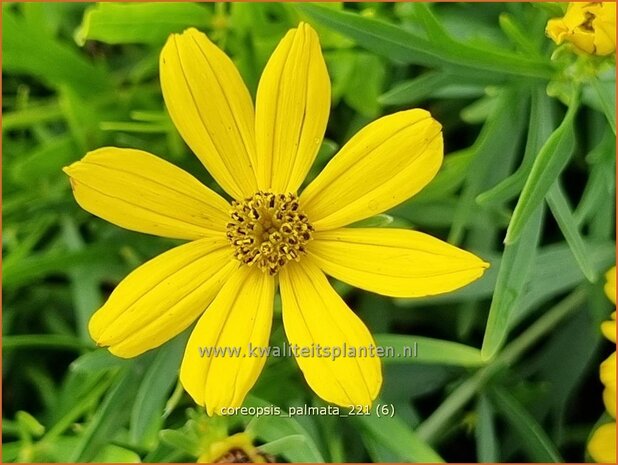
(590, 27)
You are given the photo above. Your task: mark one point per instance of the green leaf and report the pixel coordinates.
(48, 341)
(60, 449)
(109, 417)
(487, 443)
(160, 377)
(365, 84)
(500, 134)
(417, 349)
(400, 45)
(97, 361)
(181, 441)
(551, 160)
(284, 445)
(557, 272)
(539, 129)
(534, 439)
(273, 428)
(559, 206)
(606, 92)
(30, 116)
(139, 23)
(27, 49)
(514, 274)
(395, 435)
(415, 90)
(20, 272)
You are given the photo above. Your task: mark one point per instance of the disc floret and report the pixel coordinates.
(268, 230)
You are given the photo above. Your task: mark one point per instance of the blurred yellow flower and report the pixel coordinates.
(237, 448)
(269, 235)
(589, 26)
(602, 445)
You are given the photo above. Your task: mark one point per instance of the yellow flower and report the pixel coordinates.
(589, 26)
(269, 236)
(602, 445)
(237, 448)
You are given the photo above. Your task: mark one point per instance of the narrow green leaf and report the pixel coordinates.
(27, 49)
(395, 435)
(559, 273)
(48, 341)
(285, 444)
(180, 440)
(400, 45)
(601, 181)
(139, 23)
(417, 349)
(30, 116)
(500, 134)
(518, 36)
(109, 417)
(551, 160)
(158, 380)
(97, 361)
(539, 128)
(21, 272)
(487, 443)
(273, 428)
(606, 91)
(415, 90)
(534, 439)
(514, 274)
(559, 206)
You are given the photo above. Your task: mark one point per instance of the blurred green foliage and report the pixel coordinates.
(507, 367)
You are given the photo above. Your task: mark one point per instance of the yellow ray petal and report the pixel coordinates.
(162, 297)
(608, 378)
(314, 315)
(292, 105)
(384, 164)
(608, 328)
(211, 107)
(610, 285)
(602, 445)
(141, 192)
(394, 262)
(240, 316)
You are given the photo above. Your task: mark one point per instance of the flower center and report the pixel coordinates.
(268, 230)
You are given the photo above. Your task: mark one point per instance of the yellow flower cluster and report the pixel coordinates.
(590, 27)
(602, 445)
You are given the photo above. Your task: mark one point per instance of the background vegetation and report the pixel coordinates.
(507, 368)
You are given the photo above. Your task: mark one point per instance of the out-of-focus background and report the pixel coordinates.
(79, 76)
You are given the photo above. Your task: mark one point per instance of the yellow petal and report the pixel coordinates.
(292, 105)
(590, 26)
(602, 445)
(608, 328)
(608, 372)
(610, 285)
(605, 28)
(162, 297)
(211, 107)
(609, 399)
(141, 192)
(315, 316)
(386, 163)
(240, 319)
(394, 262)
(608, 378)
